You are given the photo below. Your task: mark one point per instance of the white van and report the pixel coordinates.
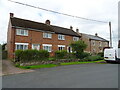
(110, 54)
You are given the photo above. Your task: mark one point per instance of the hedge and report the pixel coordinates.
(29, 55)
(60, 54)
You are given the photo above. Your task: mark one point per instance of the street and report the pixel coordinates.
(71, 76)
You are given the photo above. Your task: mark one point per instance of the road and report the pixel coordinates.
(72, 76)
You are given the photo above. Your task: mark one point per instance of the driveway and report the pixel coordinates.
(71, 76)
(9, 68)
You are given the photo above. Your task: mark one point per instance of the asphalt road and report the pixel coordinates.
(72, 76)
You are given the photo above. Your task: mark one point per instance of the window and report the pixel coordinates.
(61, 47)
(75, 38)
(47, 47)
(22, 32)
(36, 46)
(47, 35)
(93, 43)
(100, 43)
(61, 37)
(21, 46)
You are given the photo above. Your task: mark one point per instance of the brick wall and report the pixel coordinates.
(36, 37)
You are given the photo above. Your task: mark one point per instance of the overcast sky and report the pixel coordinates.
(104, 10)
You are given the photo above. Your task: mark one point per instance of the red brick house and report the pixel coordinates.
(25, 34)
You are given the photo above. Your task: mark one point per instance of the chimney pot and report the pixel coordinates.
(47, 22)
(77, 30)
(71, 27)
(96, 34)
(11, 14)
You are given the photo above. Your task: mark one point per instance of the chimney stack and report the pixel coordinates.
(11, 14)
(71, 27)
(96, 34)
(77, 30)
(47, 22)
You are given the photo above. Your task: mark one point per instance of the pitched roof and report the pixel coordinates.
(41, 26)
(92, 37)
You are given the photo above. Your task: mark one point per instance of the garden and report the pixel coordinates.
(32, 59)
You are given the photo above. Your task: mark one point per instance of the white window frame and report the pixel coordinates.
(61, 46)
(19, 32)
(47, 35)
(47, 47)
(37, 48)
(18, 44)
(75, 38)
(61, 37)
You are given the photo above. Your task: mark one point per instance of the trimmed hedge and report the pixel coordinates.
(29, 55)
(60, 54)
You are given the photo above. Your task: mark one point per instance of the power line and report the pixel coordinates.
(58, 12)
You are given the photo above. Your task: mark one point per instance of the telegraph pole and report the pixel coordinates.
(110, 34)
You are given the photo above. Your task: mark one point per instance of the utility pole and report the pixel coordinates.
(110, 34)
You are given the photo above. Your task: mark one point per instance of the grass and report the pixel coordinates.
(72, 63)
(53, 65)
(38, 66)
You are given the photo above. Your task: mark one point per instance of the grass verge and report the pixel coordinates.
(72, 63)
(54, 65)
(38, 66)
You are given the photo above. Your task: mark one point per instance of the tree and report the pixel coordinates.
(78, 47)
(3, 46)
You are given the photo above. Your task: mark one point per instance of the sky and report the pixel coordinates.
(104, 10)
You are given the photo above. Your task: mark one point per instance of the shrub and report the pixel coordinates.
(60, 54)
(70, 56)
(84, 54)
(18, 54)
(43, 54)
(101, 54)
(29, 55)
(93, 58)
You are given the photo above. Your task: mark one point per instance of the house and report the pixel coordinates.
(96, 44)
(25, 34)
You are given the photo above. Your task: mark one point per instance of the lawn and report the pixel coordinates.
(38, 66)
(54, 65)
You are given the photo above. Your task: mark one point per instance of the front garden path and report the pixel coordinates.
(9, 68)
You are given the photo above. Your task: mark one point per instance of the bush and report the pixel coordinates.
(93, 58)
(60, 54)
(101, 54)
(29, 55)
(4, 54)
(18, 54)
(84, 54)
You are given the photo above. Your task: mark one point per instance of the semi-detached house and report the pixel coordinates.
(25, 34)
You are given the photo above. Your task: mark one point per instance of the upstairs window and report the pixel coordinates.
(61, 37)
(22, 32)
(61, 47)
(75, 38)
(21, 46)
(47, 35)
